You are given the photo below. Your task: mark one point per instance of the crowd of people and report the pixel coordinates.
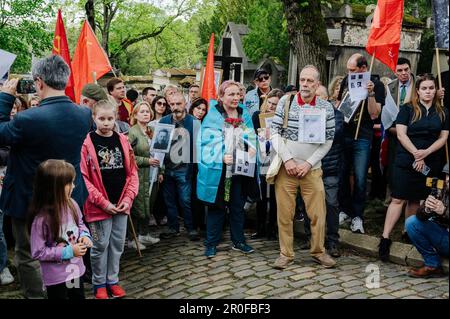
(82, 182)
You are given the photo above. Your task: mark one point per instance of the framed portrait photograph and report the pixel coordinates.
(162, 138)
(348, 107)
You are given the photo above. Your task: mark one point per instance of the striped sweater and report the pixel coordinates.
(292, 149)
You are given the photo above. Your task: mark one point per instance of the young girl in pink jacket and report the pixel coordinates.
(110, 173)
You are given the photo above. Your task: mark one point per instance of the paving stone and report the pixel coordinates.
(352, 283)
(244, 273)
(279, 291)
(397, 286)
(292, 294)
(335, 295)
(329, 289)
(303, 276)
(313, 287)
(423, 287)
(358, 296)
(311, 295)
(282, 274)
(219, 289)
(259, 290)
(258, 282)
(329, 282)
(403, 293)
(301, 283)
(279, 283)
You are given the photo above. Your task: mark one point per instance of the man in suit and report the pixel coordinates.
(54, 130)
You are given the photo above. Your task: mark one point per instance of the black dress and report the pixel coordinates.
(407, 183)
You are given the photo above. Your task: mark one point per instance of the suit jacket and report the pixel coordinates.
(54, 130)
(395, 91)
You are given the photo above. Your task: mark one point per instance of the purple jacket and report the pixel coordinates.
(51, 254)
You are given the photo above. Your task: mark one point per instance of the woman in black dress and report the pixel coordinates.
(422, 130)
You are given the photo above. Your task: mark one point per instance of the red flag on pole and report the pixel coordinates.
(89, 60)
(208, 85)
(384, 37)
(60, 47)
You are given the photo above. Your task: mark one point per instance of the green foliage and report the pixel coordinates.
(24, 30)
(265, 19)
(268, 35)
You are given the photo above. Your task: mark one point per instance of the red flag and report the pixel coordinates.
(208, 85)
(60, 47)
(89, 59)
(384, 37)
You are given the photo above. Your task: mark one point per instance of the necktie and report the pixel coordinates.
(402, 94)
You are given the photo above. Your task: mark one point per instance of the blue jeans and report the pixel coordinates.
(356, 155)
(216, 217)
(3, 248)
(430, 239)
(178, 184)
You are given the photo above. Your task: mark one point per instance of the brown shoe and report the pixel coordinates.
(325, 260)
(282, 262)
(426, 272)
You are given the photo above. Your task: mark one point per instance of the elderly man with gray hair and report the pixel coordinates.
(55, 130)
(302, 134)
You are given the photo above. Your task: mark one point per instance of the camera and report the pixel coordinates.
(26, 86)
(437, 187)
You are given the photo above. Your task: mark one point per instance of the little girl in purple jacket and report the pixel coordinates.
(58, 237)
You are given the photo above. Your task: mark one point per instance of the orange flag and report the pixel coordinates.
(384, 38)
(89, 59)
(60, 47)
(208, 85)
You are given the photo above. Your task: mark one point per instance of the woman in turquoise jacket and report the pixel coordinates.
(211, 176)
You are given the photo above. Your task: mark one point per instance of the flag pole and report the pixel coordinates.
(364, 102)
(438, 64)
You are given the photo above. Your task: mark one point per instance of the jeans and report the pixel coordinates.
(216, 217)
(430, 239)
(108, 239)
(356, 155)
(3, 248)
(331, 184)
(178, 184)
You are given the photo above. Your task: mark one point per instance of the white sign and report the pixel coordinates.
(245, 165)
(357, 85)
(6, 60)
(312, 126)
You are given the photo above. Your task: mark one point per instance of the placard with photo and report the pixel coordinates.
(162, 138)
(312, 126)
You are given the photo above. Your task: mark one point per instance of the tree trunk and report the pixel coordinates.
(90, 13)
(307, 34)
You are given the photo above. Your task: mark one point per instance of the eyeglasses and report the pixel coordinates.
(263, 78)
(161, 103)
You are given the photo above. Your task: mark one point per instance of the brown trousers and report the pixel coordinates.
(313, 194)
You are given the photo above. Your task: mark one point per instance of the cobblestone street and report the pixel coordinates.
(176, 269)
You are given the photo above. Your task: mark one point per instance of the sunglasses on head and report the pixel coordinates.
(263, 78)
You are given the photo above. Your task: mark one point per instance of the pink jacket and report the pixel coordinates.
(98, 200)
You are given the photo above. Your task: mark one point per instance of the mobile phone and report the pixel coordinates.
(425, 170)
(26, 86)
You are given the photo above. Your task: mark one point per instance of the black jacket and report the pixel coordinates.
(332, 162)
(56, 129)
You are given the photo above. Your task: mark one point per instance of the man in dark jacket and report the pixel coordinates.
(54, 130)
(332, 171)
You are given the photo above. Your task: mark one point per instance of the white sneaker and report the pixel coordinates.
(148, 239)
(357, 225)
(152, 221)
(132, 244)
(343, 218)
(249, 206)
(5, 277)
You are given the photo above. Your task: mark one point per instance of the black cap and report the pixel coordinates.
(259, 72)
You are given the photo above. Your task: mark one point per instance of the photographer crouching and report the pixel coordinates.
(428, 231)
